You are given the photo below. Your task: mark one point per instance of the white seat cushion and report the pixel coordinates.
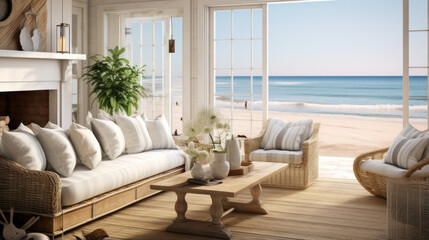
(381, 168)
(84, 183)
(282, 156)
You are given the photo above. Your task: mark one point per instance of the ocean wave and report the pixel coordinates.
(285, 83)
(382, 107)
(376, 107)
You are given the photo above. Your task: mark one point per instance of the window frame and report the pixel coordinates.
(264, 67)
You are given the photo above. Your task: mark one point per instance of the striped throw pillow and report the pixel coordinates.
(406, 152)
(285, 138)
(276, 124)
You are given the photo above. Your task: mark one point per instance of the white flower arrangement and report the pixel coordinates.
(208, 122)
(195, 153)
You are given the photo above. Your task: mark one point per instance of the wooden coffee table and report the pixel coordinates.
(221, 195)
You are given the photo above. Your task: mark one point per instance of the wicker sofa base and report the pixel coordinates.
(295, 176)
(89, 210)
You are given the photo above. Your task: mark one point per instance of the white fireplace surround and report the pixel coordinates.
(32, 71)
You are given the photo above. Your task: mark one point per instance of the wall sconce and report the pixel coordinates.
(63, 38)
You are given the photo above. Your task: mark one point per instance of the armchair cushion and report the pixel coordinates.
(277, 123)
(283, 156)
(379, 167)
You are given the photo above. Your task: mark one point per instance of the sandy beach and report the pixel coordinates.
(349, 136)
(339, 136)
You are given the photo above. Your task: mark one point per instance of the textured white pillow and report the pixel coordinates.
(58, 149)
(159, 133)
(406, 152)
(137, 138)
(286, 138)
(22, 146)
(86, 145)
(110, 137)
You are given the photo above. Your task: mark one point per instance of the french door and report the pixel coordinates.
(146, 42)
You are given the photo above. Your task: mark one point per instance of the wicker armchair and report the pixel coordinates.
(376, 183)
(298, 176)
(29, 191)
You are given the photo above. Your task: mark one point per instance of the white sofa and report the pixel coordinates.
(85, 193)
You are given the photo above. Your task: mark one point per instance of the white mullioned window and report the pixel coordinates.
(147, 44)
(239, 66)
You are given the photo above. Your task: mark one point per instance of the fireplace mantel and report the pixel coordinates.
(40, 55)
(28, 71)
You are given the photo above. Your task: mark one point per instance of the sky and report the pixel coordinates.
(326, 38)
(331, 38)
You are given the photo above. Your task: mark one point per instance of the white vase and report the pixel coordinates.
(219, 167)
(233, 155)
(197, 171)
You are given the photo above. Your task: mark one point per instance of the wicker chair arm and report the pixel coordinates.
(310, 149)
(250, 145)
(29, 191)
(416, 167)
(377, 154)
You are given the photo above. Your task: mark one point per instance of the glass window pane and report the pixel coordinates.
(257, 84)
(159, 58)
(159, 33)
(222, 25)
(135, 33)
(159, 83)
(242, 84)
(147, 33)
(257, 53)
(223, 82)
(136, 56)
(147, 83)
(223, 54)
(241, 20)
(241, 54)
(418, 98)
(257, 23)
(147, 60)
(418, 14)
(418, 49)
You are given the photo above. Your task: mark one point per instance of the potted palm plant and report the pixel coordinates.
(115, 83)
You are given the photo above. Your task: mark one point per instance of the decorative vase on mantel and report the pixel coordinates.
(197, 171)
(219, 167)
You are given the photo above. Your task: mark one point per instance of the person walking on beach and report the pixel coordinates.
(245, 105)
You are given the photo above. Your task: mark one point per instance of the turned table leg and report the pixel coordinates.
(216, 209)
(181, 206)
(254, 206)
(256, 192)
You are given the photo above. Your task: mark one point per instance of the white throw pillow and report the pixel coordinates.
(159, 133)
(58, 149)
(110, 137)
(137, 138)
(286, 138)
(86, 145)
(22, 147)
(406, 152)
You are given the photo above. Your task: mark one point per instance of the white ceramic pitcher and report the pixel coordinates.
(233, 155)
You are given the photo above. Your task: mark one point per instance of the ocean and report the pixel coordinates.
(373, 96)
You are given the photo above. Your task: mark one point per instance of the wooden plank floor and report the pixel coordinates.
(330, 209)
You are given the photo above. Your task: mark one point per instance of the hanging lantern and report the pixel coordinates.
(63, 38)
(171, 42)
